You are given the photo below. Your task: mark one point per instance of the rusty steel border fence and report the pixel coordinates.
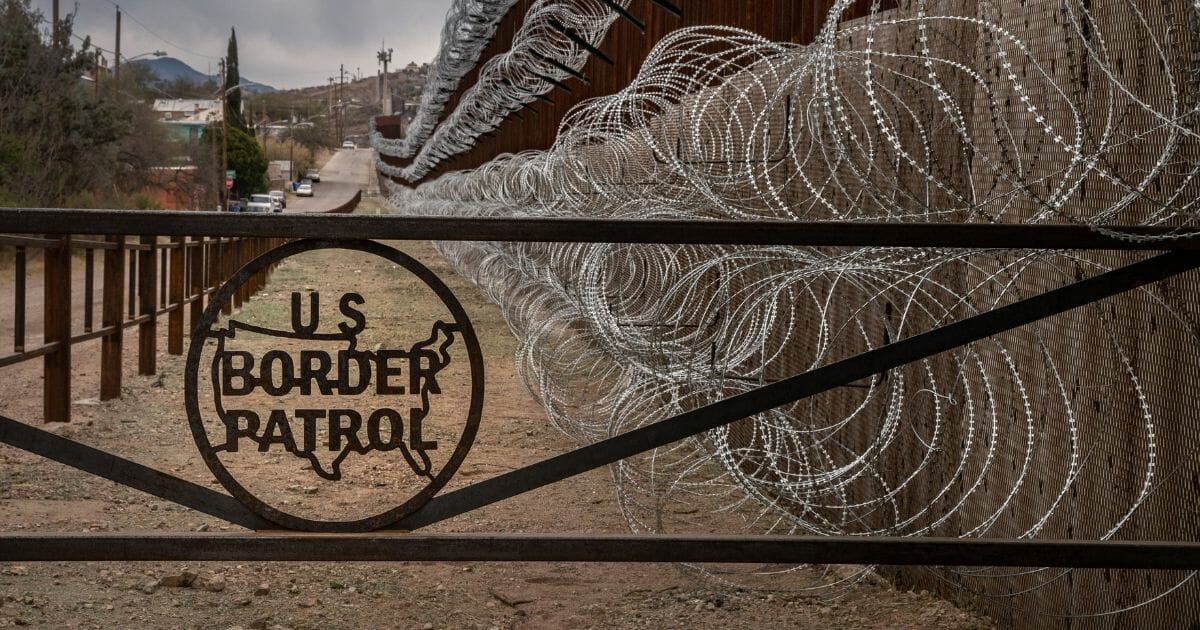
(1165, 259)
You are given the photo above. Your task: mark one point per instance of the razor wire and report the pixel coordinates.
(469, 27)
(542, 55)
(944, 111)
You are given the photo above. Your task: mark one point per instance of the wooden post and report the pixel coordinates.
(113, 317)
(175, 300)
(148, 329)
(56, 384)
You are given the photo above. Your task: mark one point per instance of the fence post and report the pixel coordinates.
(56, 384)
(113, 317)
(148, 329)
(226, 248)
(196, 262)
(19, 303)
(239, 259)
(175, 299)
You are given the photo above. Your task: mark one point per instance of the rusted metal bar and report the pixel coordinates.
(133, 283)
(164, 275)
(147, 330)
(175, 299)
(237, 250)
(113, 316)
(581, 42)
(128, 473)
(28, 241)
(1174, 556)
(89, 289)
(669, 7)
(802, 386)
(196, 281)
(94, 335)
(690, 232)
(623, 12)
(19, 302)
(28, 355)
(56, 382)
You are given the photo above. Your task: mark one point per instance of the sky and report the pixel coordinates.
(282, 43)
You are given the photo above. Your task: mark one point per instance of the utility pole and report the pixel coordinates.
(224, 140)
(341, 107)
(385, 57)
(117, 72)
(332, 115)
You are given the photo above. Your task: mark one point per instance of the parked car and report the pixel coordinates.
(313, 175)
(349, 145)
(260, 203)
(305, 189)
(235, 205)
(281, 198)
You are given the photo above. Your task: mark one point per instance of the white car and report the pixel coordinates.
(349, 145)
(280, 200)
(304, 190)
(261, 203)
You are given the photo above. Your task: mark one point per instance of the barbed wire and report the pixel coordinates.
(944, 111)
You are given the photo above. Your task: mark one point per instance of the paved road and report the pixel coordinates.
(346, 173)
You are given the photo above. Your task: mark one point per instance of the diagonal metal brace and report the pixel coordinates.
(802, 386)
(128, 473)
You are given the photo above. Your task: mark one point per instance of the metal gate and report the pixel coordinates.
(396, 540)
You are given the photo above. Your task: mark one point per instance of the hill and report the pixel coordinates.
(170, 69)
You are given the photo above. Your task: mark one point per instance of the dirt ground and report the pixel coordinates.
(149, 425)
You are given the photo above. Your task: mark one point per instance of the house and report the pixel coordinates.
(187, 118)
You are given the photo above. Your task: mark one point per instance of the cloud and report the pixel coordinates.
(287, 44)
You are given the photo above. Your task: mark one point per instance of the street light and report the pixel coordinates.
(157, 53)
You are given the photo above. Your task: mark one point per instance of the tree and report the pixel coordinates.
(233, 79)
(56, 138)
(245, 157)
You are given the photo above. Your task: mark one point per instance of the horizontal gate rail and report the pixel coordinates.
(396, 547)
(675, 232)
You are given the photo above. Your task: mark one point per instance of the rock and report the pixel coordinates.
(509, 599)
(149, 588)
(263, 590)
(16, 569)
(245, 601)
(710, 606)
(311, 602)
(212, 584)
(427, 626)
(309, 490)
(183, 580)
(202, 528)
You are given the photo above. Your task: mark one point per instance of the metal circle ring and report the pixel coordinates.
(200, 336)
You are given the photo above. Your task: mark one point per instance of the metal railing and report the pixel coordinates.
(1168, 259)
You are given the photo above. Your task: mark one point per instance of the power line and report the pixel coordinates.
(160, 37)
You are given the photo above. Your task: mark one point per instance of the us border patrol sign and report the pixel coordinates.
(359, 403)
